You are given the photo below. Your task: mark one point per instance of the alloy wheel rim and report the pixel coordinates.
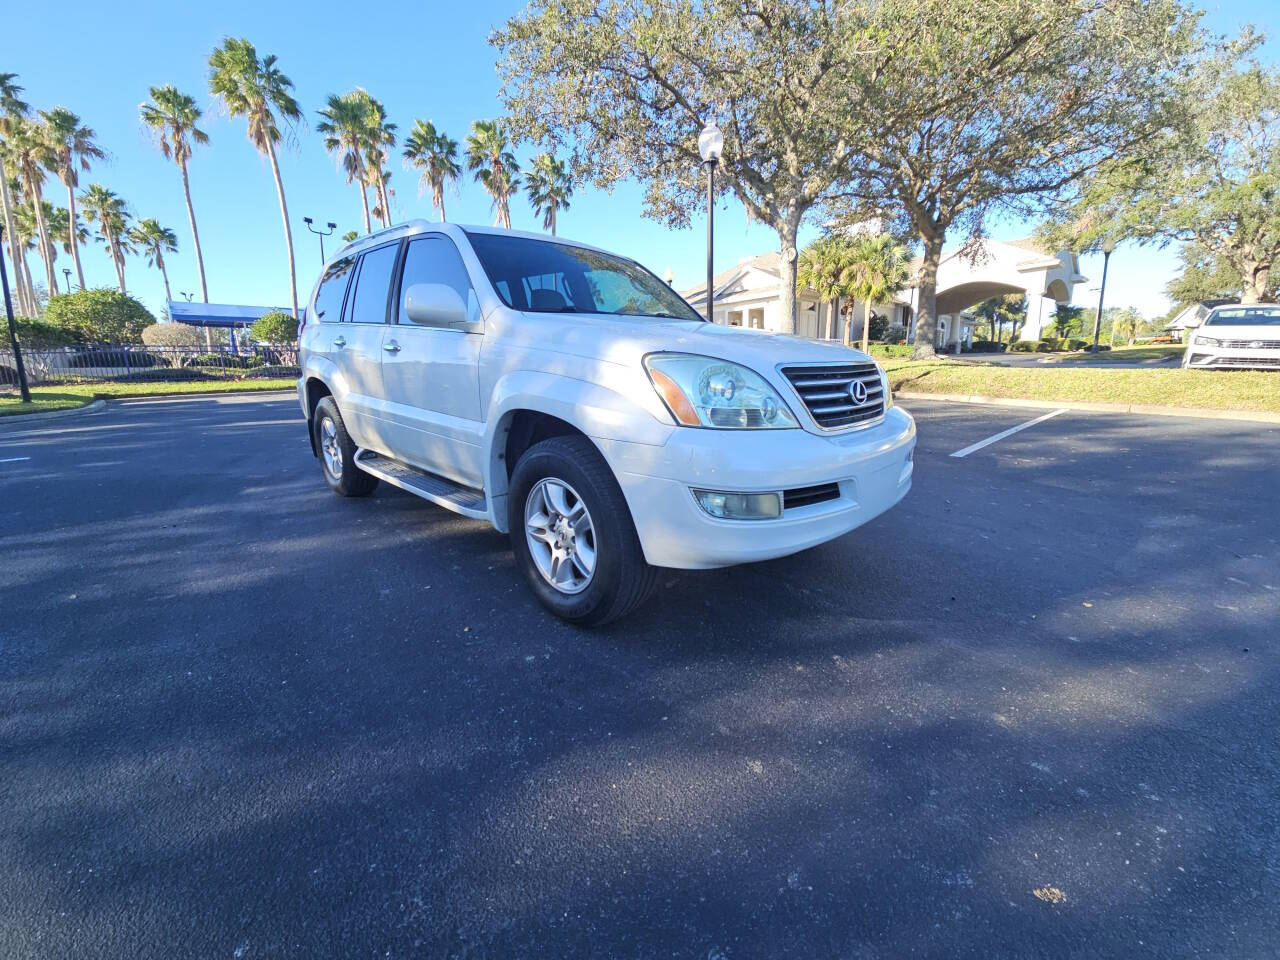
(561, 536)
(330, 448)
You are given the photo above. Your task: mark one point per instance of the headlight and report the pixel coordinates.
(1207, 341)
(884, 382)
(705, 392)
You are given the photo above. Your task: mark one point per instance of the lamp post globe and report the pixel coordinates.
(710, 148)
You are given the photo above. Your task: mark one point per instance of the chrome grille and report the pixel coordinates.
(825, 391)
(1251, 344)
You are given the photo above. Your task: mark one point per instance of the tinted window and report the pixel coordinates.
(369, 303)
(333, 287)
(547, 277)
(1245, 316)
(435, 260)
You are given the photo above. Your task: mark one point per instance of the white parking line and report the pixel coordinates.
(974, 447)
(14, 459)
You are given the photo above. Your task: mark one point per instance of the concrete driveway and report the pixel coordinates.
(1030, 712)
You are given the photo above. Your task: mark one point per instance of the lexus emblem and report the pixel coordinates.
(858, 391)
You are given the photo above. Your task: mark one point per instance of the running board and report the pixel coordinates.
(442, 492)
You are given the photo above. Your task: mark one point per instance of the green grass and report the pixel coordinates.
(1249, 390)
(888, 350)
(1121, 354)
(70, 396)
(11, 405)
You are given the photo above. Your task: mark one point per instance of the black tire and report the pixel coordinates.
(350, 480)
(621, 580)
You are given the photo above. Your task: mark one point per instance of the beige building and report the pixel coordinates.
(748, 294)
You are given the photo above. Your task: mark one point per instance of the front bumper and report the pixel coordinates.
(1200, 357)
(872, 467)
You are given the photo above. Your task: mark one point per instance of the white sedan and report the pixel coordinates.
(1236, 336)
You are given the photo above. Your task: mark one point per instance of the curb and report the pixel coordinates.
(21, 419)
(1142, 408)
(179, 397)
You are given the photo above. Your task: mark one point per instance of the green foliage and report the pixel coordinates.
(1212, 178)
(99, 315)
(549, 187)
(1010, 309)
(436, 155)
(35, 332)
(275, 328)
(1066, 319)
(172, 335)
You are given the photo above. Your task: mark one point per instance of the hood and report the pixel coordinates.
(626, 340)
(1242, 331)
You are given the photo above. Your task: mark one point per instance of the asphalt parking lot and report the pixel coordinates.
(1030, 712)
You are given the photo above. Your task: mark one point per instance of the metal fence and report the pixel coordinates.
(98, 363)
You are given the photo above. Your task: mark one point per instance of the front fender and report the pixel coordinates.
(600, 412)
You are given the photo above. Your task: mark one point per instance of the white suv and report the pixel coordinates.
(570, 397)
(1236, 336)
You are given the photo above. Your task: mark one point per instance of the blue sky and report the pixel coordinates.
(436, 65)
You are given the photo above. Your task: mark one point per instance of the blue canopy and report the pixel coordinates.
(218, 314)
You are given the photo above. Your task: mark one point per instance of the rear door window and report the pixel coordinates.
(333, 288)
(369, 302)
(435, 260)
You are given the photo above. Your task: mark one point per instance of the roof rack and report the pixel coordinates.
(359, 242)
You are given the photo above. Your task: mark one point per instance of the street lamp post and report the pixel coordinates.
(23, 388)
(320, 233)
(710, 146)
(66, 272)
(1107, 246)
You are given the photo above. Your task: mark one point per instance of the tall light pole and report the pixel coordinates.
(710, 146)
(1108, 245)
(66, 272)
(185, 296)
(13, 330)
(320, 233)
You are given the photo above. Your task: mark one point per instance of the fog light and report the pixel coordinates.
(740, 506)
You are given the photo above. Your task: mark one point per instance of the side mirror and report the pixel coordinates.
(436, 305)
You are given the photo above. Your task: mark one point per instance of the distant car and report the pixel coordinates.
(1238, 336)
(1164, 338)
(573, 399)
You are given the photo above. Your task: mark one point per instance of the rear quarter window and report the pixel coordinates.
(332, 290)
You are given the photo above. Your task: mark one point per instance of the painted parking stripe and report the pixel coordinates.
(14, 459)
(975, 447)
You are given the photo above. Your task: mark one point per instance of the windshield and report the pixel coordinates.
(1244, 317)
(546, 277)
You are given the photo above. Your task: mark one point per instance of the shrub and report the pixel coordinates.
(114, 357)
(99, 316)
(227, 361)
(1075, 343)
(895, 334)
(37, 333)
(172, 335)
(986, 346)
(274, 327)
(1023, 346)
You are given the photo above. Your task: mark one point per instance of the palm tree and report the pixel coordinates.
(381, 141)
(60, 229)
(489, 155)
(436, 155)
(879, 268)
(172, 117)
(824, 267)
(549, 187)
(32, 155)
(344, 125)
(349, 236)
(255, 89)
(24, 237)
(105, 208)
(12, 109)
(373, 167)
(72, 148)
(155, 241)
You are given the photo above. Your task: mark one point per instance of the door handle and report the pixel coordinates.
(391, 346)
(340, 342)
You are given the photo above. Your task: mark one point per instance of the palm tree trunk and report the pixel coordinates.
(553, 219)
(195, 235)
(866, 326)
(31, 286)
(437, 195)
(25, 300)
(364, 200)
(382, 198)
(44, 242)
(288, 234)
(75, 246)
(168, 294)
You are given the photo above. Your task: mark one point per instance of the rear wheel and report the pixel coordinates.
(338, 453)
(572, 533)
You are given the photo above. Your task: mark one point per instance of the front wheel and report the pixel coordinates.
(338, 453)
(572, 533)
